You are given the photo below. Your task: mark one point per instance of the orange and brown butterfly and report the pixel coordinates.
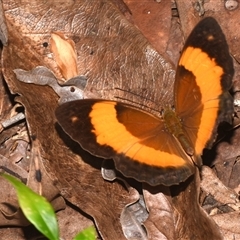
(161, 150)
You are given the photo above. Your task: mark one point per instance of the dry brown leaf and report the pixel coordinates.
(160, 223)
(212, 185)
(229, 224)
(149, 17)
(192, 222)
(226, 161)
(132, 218)
(65, 55)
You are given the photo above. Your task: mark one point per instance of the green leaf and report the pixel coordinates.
(36, 209)
(87, 234)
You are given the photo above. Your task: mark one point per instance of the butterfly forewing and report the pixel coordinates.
(203, 75)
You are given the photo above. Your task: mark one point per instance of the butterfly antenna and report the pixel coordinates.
(137, 102)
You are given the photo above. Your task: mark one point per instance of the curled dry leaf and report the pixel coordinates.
(229, 224)
(71, 90)
(16, 159)
(64, 54)
(13, 154)
(3, 27)
(191, 221)
(226, 163)
(175, 213)
(228, 201)
(132, 218)
(160, 223)
(212, 185)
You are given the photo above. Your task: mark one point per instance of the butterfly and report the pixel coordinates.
(161, 150)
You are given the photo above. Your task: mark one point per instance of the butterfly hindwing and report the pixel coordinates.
(133, 138)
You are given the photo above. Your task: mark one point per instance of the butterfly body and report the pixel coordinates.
(174, 126)
(161, 150)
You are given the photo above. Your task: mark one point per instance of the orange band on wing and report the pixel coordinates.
(109, 131)
(208, 77)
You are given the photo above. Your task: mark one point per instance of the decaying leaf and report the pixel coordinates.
(146, 15)
(71, 90)
(212, 185)
(228, 224)
(132, 218)
(65, 55)
(3, 27)
(160, 223)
